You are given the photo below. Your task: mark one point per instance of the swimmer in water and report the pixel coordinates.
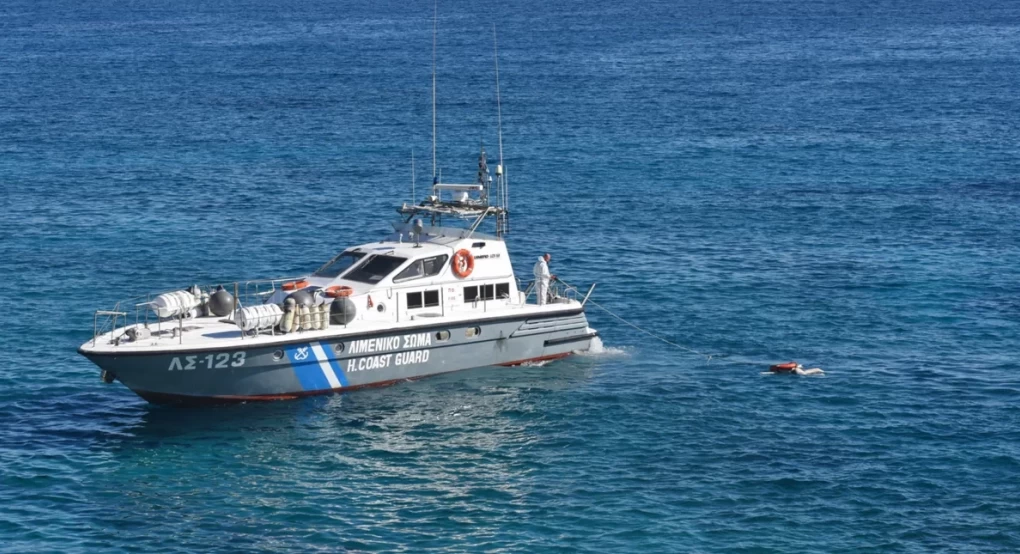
(795, 368)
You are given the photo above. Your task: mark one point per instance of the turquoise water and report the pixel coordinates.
(831, 182)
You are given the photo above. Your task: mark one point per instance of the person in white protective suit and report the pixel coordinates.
(542, 278)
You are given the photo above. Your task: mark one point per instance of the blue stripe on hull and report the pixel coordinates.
(306, 367)
(337, 368)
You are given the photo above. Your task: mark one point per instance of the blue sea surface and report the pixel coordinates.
(832, 182)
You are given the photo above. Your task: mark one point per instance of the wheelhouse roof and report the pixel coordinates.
(430, 233)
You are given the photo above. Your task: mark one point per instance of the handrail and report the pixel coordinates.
(109, 313)
(143, 304)
(527, 291)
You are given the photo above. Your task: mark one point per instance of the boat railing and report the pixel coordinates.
(245, 293)
(557, 289)
(109, 321)
(261, 288)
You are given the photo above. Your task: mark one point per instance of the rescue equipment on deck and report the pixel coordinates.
(295, 285)
(263, 316)
(289, 311)
(341, 291)
(463, 263)
(173, 304)
(342, 311)
(302, 297)
(220, 303)
(203, 301)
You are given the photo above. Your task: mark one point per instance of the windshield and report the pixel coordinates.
(375, 269)
(339, 264)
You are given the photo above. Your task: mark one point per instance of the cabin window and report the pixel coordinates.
(339, 264)
(426, 299)
(412, 271)
(434, 266)
(488, 292)
(431, 298)
(414, 300)
(478, 245)
(502, 290)
(376, 269)
(470, 294)
(428, 267)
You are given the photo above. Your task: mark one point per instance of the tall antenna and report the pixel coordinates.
(413, 196)
(499, 109)
(501, 169)
(435, 20)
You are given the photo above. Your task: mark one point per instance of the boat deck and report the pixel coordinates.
(209, 333)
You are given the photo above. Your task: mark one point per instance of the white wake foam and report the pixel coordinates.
(539, 363)
(599, 349)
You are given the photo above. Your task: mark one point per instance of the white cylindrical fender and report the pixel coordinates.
(306, 322)
(173, 304)
(324, 316)
(315, 317)
(258, 317)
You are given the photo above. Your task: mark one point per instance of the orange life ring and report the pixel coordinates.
(295, 285)
(341, 291)
(789, 366)
(463, 263)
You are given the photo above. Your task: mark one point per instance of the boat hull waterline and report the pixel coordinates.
(292, 367)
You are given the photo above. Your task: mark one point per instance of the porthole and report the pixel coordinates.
(443, 336)
(381, 308)
(278, 355)
(473, 331)
(338, 347)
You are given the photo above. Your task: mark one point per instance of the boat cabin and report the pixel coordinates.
(399, 279)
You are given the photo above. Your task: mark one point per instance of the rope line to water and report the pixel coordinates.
(708, 357)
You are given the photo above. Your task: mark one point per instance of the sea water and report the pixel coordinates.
(829, 182)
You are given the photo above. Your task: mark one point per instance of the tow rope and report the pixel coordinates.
(708, 357)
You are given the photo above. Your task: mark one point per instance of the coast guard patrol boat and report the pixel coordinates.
(425, 300)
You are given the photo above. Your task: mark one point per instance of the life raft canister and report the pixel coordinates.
(783, 368)
(295, 285)
(339, 291)
(463, 263)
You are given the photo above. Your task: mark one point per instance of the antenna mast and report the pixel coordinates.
(435, 20)
(413, 197)
(500, 169)
(499, 109)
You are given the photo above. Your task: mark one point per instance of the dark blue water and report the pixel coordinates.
(835, 182)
